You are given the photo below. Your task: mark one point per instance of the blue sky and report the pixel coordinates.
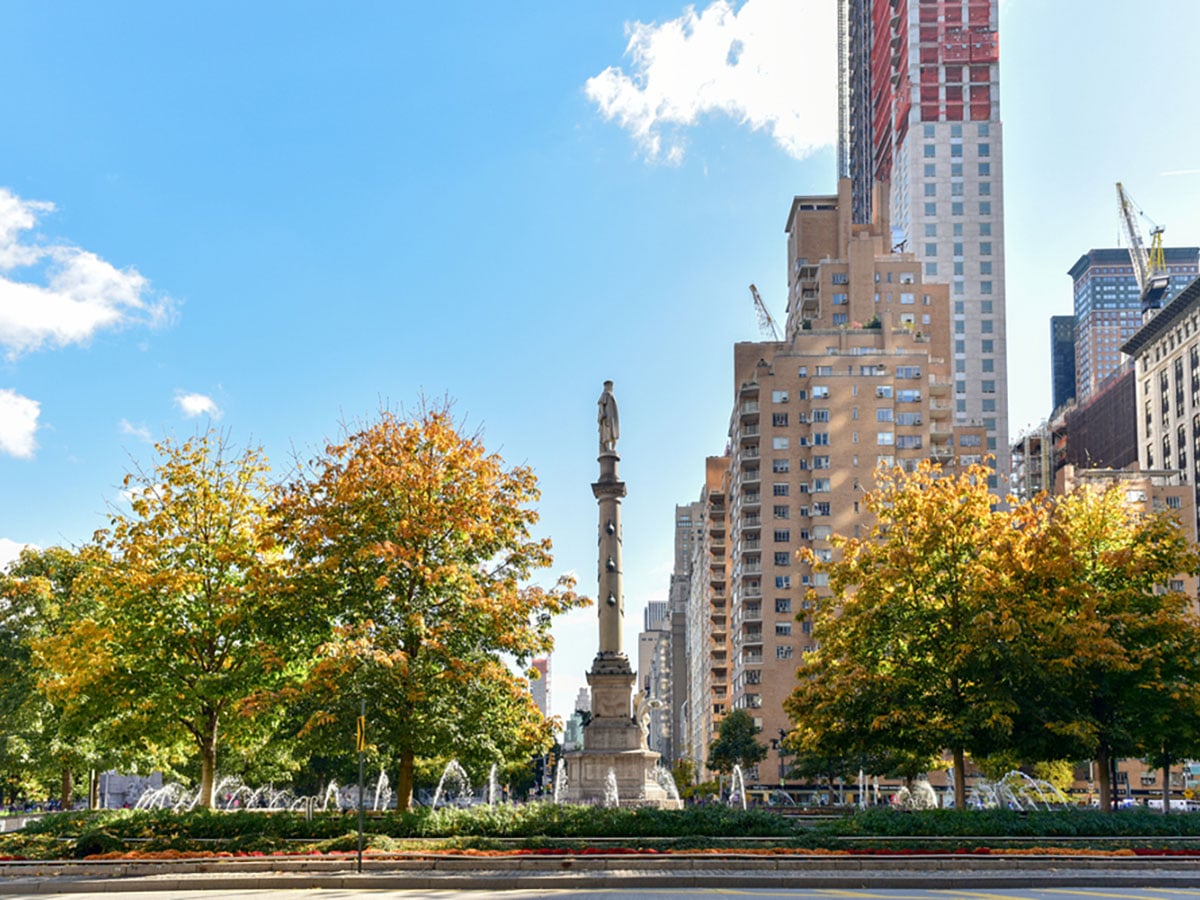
(275, 217)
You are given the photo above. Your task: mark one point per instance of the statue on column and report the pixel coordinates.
(610, 426)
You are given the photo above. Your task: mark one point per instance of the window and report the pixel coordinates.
(985, 267)
(885, 438)
(988, 385)
(840, 299)
(931, 249)
(820, 438)
(931, 229)
(985, 149)
(985, 229)
(822, 532)
(883, 391)
(820, 391)
(841, 318)
(956, 209)
(985, 168)
(908, 442)
(782, 535)
(783, 651)
(839, 278)
(783, 605)
(779, 443)
(986, 326)
(821, 509)
(985, 207)
(783, 559)
(970, 440)
(931, 268)
(883, 415)
(931, 210)
(779, 420)
(783, 629)
(820, 462)
(988, 346)
(985, 248)
(783, 582)
(908, 298)
(779, 466)
(930, 189)
(1174, 502)
(820, 415)
(780, 512)
(908, 418)
(779, 489)
(824, 370)
(985, 189)
(820, 485)
(985, 287)
(956, 150)
(779, 396)
(930, 151)
(908, 371)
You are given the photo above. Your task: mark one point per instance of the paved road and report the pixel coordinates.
(636, 893)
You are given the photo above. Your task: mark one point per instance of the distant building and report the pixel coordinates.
(654, 674)
(1062, 359)
(540, 687)
(1108, 308)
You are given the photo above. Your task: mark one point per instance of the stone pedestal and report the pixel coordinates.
(614, 741)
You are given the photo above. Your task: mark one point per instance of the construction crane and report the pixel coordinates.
(766, 324)
(1149, 266)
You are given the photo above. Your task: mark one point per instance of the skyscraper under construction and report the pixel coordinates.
(919, 109)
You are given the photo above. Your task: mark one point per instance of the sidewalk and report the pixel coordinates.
(417, 872)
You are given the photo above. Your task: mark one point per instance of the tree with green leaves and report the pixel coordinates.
(181, 640)
(415, 544)
(737, 743)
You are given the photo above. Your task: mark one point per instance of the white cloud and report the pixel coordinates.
(772, 64)
(138, 431)
(10, 550)
(66, 294)
(194, 405)
(18, 422)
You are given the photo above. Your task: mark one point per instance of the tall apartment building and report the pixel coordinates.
(1108, 307)
(1166, 359)
(689, 533)
(919, 109)
(863, 378)
(1062, 359)
(707, 666)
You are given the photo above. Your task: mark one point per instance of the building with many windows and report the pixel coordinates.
(1108, 308)
(1062, 359)
(919, 110)
(1166, 359)
(863, 379)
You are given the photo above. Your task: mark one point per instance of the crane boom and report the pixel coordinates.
(1149, 267)
(766, 323)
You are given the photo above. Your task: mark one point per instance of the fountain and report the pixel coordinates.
(737, 788)
(611, 796)
(453, 786)
(1016, 790)
(667, 781)
(560, 782)
(920, 796)
(493, 788)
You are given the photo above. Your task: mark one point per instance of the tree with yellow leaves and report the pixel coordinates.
(414, 544)
(179, 638)
(906, 641)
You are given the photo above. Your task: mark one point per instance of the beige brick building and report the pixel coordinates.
(863, 378)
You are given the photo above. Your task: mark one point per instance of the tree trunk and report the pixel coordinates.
(1166, 787)
(1104, 773)
(404, 782)
(68, 788)
(93, 789)
(960, 781)
(208, 762)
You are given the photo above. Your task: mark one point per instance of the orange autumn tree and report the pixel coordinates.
(414, 544)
